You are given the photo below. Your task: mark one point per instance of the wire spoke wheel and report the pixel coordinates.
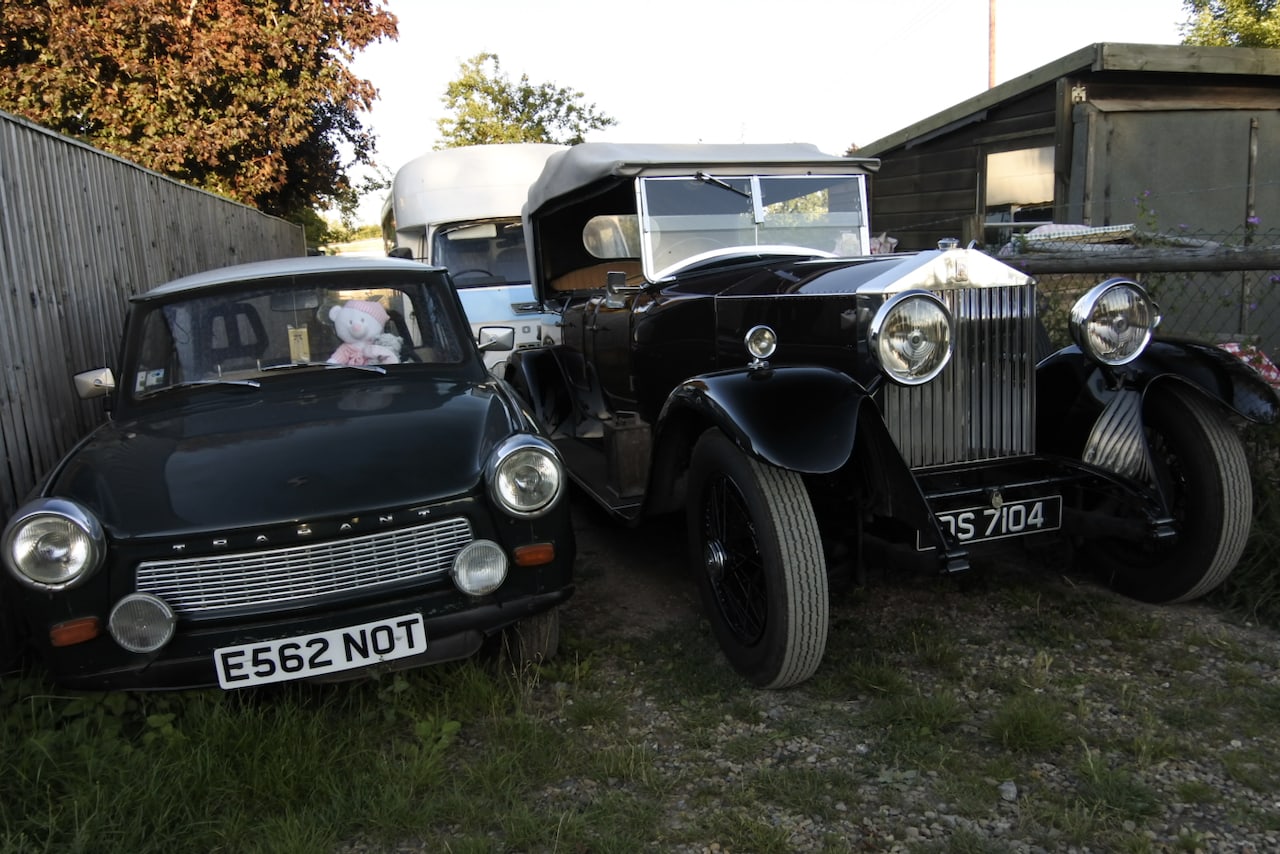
(1201, 467)
(733, 562)
(757, 555)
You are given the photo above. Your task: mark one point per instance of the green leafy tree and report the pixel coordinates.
(251, 99)
(487, 107)
(1232, 23)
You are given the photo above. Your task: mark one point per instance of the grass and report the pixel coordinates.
(652, 743)
(934, 695)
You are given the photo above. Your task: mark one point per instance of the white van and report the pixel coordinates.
(460, 208)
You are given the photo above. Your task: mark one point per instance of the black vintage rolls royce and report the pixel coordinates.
(733, 350)
(307, 472)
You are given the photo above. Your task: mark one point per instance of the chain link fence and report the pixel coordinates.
(1221, 289)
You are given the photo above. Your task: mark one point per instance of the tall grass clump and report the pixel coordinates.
(298, 768)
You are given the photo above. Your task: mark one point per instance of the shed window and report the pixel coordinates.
(1019, 191)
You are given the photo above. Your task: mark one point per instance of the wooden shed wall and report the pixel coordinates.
(1124, 120)
(80, 232)
(1175, 169)
(929, 189)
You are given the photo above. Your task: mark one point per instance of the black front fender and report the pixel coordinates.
(798, 418)
(1214, 371)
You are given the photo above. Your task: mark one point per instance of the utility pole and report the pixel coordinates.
(991, 44)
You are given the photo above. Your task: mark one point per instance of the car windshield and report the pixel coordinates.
(687, 216)
(482, 254)
(240, 333)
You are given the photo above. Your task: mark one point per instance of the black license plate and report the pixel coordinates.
(1010, 519)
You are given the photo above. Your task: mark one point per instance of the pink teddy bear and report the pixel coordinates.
(359, 323)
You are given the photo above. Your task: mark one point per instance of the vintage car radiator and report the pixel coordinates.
(982, 407)
(202, 586)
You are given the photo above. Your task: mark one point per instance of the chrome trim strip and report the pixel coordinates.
(982, 406)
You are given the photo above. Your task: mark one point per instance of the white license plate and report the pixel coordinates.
(320, 653)
(1011, 519)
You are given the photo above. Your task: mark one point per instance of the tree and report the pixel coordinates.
(487, 107)
(251, 99)
(1232, 23)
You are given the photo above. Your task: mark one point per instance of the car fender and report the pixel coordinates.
(1214, 371)
(798, 418)
(539, 381)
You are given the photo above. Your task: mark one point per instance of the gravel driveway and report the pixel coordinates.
(1020, 708)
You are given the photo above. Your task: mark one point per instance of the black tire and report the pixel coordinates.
(532, 640)
(1200, 461)
(757, 556)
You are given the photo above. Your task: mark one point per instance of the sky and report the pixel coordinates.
(831, 72)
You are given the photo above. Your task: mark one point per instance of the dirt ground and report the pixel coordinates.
(630, 581)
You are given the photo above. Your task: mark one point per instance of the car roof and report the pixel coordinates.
(467, 183)
(591, 162)
(311, 265)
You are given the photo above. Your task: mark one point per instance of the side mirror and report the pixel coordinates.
(496, 338)
(401, 252)
(96, 383)
(616, 289)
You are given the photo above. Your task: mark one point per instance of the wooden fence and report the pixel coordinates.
(80, 232)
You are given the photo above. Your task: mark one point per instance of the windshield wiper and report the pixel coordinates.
(154, 392)
(708, 178)
(377, 369)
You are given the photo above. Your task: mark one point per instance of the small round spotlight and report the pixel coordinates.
(761, 343)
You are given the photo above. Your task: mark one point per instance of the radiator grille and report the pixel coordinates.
(199, 586)
(982, 407)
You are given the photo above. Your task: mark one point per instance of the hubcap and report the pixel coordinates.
(714, 558)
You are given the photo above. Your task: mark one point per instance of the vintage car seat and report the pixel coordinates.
(235, 336)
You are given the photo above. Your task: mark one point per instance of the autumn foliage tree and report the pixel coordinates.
(252, 99)
(487, 107)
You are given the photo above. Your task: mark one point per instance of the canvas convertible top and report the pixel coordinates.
(589, 162)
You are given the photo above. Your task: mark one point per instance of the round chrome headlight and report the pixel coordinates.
(53, 544)
(1113, 322)
(480, 568)
(761, 342)
(910, 337)
(525, 476)
(141, 622)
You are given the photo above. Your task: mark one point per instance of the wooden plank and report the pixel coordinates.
(1187, 59)
(1148, 260)
(80, 231)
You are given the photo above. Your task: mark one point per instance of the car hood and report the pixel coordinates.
(789, 275)
(872, 274)
(235, 462)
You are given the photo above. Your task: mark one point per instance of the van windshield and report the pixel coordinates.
(482, 254)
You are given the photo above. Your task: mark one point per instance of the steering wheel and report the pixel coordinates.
(469, 270)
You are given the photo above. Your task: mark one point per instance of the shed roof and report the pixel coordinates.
(1097, 57)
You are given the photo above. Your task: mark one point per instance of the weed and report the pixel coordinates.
(1030, 722)
(824, 793)
(1115, 791)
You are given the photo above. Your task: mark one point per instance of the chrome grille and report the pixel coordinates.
(198, 586)
(982, 407)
